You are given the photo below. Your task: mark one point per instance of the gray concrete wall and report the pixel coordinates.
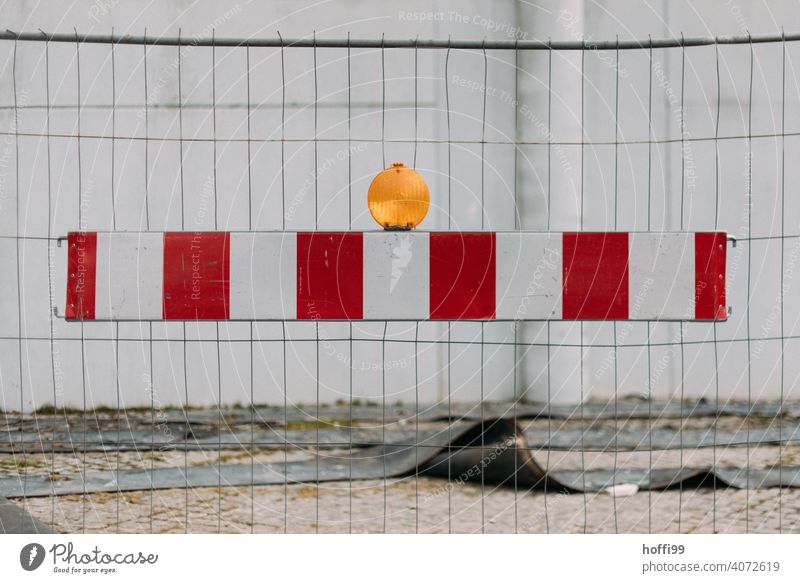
(490, 173)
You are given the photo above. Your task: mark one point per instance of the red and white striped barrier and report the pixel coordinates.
(396, 276)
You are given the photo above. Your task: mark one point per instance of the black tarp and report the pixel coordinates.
(493, 451)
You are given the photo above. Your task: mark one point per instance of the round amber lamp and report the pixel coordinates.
(398, 198)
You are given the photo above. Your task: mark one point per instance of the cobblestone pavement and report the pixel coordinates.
(413, 504)
(424, 505)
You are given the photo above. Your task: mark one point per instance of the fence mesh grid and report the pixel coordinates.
(522, 136)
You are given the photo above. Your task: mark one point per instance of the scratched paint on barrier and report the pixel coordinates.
(396, 276)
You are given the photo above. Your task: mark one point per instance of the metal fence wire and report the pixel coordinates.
(399, 426)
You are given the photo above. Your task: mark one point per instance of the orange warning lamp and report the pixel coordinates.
(398, 198)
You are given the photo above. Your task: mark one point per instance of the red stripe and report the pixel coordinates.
(196, 276)
(462, 276)
(709, 276)
(81, 275)
(595, 276)
(330, 276)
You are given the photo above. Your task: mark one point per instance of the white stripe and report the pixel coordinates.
(396, 276)
(130, 278)
(661, 276)
(263, 276)
(529, 276)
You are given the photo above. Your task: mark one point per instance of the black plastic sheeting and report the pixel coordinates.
(767, 422)
(493, 451)
(15, 520)
(624, 408)
(558, 438)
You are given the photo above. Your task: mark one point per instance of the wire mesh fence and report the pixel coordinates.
(400, 426)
